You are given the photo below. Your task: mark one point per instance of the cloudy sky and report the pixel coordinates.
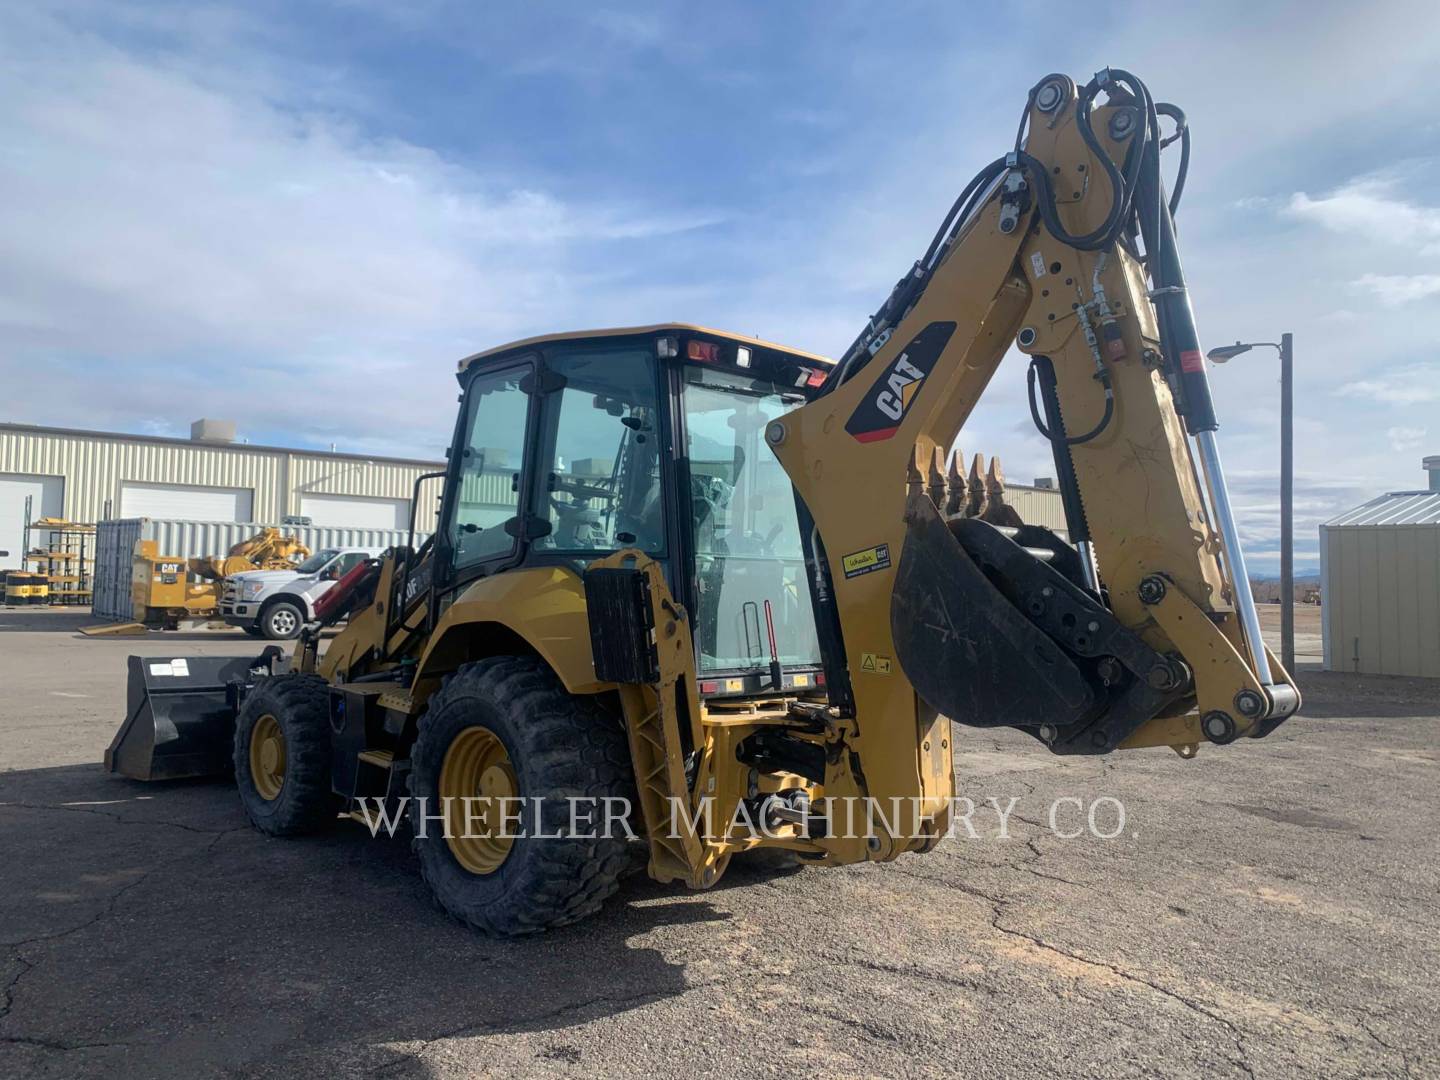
(300, 215)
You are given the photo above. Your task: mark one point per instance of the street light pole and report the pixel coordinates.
(1287, 506)
(1286, 347)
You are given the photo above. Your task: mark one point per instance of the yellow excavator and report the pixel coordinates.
(269, 549)
(728, 595)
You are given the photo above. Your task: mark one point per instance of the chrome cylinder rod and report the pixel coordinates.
(1234, 557)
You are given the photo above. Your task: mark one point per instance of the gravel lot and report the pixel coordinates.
(1269, 909)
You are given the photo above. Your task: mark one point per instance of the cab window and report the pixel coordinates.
(599, 466)
(491, 449)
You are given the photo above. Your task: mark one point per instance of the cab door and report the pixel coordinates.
(482, 523)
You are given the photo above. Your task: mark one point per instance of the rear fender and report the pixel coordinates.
(540, 610)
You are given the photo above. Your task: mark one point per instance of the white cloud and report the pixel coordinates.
(229, 236)
(1370, 207)
(1397, 289)
(1413, 384)
(1404, 439)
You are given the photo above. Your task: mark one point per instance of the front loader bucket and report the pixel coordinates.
(179, 717)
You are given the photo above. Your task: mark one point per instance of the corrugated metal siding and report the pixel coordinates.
(114, 549)
(310, 475)
(1380, 587)
(1396, 508)
(116, 540)
(95, 465)
(1038, 506)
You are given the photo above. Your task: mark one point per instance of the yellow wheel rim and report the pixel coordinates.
(475, 779)
(267, 757)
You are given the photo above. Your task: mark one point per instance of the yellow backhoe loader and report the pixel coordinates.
(729, 595)
(268, 549)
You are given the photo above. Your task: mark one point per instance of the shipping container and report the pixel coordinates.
(115, 543)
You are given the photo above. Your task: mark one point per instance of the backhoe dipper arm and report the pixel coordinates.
(922, 616)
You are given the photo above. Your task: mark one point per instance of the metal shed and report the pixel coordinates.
(1380, 585)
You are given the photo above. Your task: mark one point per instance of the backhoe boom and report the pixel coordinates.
(1040, 252)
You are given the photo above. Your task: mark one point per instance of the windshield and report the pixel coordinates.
(747, 536)
(316, 561)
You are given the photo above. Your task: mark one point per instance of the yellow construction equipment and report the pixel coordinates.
(161, 588)
(269, 550)
(732, 595)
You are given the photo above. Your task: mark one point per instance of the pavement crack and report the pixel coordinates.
(1397, 1050)
(25, 968)
(113, 817)
(105, 912)
(1238, 1036)
(1028, 866)
(56, 1045)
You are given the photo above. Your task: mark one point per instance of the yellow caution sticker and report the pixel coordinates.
(801, 680)
(875, 665)
(866, 561)
(734, 686)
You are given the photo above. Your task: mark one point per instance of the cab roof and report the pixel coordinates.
(636, 331)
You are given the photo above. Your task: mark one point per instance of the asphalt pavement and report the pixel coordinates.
(1268, 909)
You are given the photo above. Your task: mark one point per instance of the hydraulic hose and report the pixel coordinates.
(1075, 440)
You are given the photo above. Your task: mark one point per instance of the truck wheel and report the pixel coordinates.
(282, 755)
(503, 728)
(281, 621)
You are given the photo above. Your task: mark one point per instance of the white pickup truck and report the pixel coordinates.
(275, 604)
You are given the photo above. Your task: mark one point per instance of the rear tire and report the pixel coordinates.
(290, 713)
(556, 746)
(281, 621)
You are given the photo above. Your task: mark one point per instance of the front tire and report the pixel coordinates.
(282, 756)
(281, 621)
(506, 726)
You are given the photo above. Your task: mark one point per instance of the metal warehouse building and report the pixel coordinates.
(93, 475)
(1380, 584)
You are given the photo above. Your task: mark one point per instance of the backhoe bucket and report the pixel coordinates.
(179, 717)
(997, 630)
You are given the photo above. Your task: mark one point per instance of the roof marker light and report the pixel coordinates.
(707, 351)
(666, 348)
(742, 356)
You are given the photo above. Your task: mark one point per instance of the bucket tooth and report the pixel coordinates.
(935, 487)
(997, 511)
(976, 500)
(915, 473)
(955, 484)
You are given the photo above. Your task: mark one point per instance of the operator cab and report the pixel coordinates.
(571, 447)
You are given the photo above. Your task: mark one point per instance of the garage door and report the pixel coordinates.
(189, 502)
(356, 511)
(47, 499)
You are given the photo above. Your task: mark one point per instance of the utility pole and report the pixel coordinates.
(1286, 348)
(1287, 507)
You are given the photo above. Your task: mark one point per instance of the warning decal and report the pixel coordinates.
(867, 561)
(875, 665)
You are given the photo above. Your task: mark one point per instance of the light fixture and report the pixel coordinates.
(1227, 352)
